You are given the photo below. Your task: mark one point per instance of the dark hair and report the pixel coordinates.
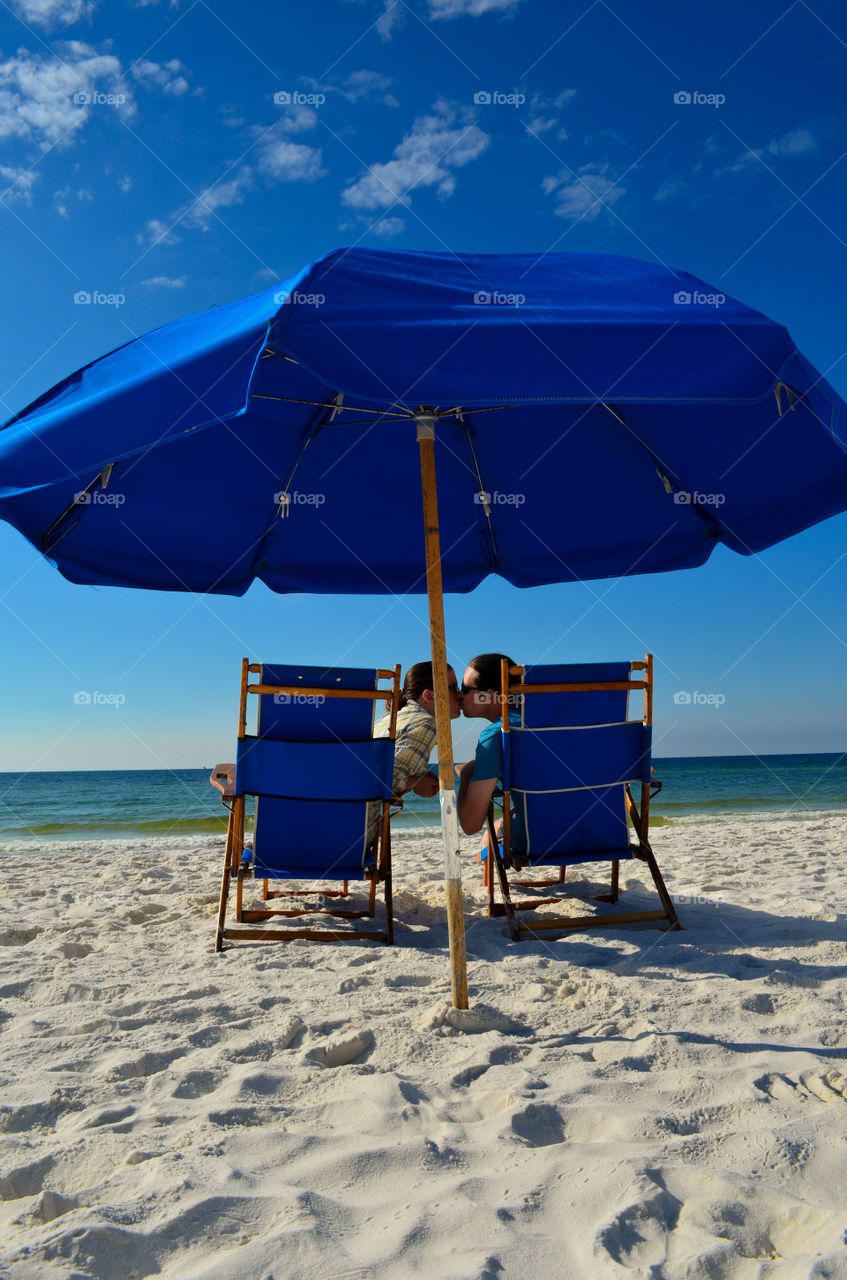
(418, 678)
(488, 669)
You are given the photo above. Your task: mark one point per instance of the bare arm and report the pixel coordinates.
(474, 799)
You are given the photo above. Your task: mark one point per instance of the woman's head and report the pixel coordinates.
(481, 686)
(418, 687)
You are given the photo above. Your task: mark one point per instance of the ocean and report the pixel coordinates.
(39, 809)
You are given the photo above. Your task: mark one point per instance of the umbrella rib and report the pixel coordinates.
(662, 471)
(482, 493)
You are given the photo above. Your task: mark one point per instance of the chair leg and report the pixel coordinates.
(613, 895)
(494, 856)
(219, 936)
(661, 888)
(372, 894)
(239, 895)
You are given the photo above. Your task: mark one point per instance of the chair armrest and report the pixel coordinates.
(222, 779)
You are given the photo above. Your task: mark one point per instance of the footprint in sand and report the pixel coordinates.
(538, 1125)
(339, 1053)
(825, 1086)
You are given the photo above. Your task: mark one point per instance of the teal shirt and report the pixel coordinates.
(488, 763)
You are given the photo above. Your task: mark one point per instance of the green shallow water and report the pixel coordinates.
(159, 803)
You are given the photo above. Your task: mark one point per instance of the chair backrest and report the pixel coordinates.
(314, 767)
(567, 764)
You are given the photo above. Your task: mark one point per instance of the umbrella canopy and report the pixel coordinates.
(578, 415)
(595, 416)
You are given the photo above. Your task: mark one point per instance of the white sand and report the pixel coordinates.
(627, 1103)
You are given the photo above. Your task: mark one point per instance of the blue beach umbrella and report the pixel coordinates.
(587, 416)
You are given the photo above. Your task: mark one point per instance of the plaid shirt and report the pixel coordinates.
(413, 746)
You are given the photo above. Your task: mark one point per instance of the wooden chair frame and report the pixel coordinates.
(639, 816)
(223, 777)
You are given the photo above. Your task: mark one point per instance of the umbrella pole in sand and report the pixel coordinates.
(447, 792)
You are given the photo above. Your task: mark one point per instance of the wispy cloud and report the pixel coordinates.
(165, 282)
(469, 8)
(167, 76)
(436, 145)
(17, 184)
(387, 228)
(358, 86)
(583, 195)
(545, 113)
(47, 100)
(275, 159)
(53, 13)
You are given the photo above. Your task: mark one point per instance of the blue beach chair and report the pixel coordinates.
(318, 776)
(568, 773)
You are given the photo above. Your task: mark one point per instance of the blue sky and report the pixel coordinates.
(167, 157)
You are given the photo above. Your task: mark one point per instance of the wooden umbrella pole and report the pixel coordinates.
(447, 785)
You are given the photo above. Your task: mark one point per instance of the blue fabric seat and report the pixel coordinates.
(569, 769)
(316, 773)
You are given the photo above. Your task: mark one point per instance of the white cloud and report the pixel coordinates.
(389, 227)
(125, 183)
(17, 184)
(358, 86)
(165, 282)
(284, 161)
(469, 8)
(584, 195)
(389, 19)
(48, 99)
(49, 13)
(297, 119)
(65, 194)
(426, 157)
(166, 76)
(159, 232)
(221, 195)
(794, 143)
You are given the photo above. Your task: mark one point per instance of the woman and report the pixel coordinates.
(415, 736)
(481, 777)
